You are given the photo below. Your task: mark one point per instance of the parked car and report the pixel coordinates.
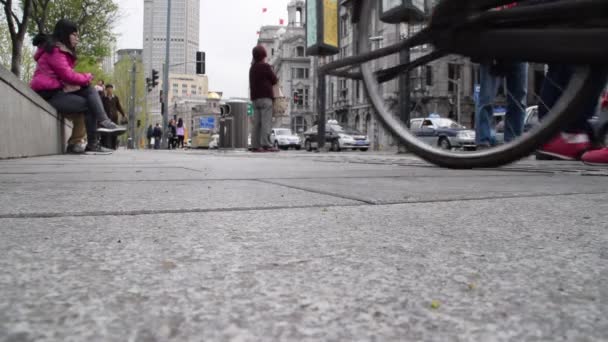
(444, 133)
(283, 138)
(338, 137)
(530, 120)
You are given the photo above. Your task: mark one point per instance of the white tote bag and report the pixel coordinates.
(279, 101)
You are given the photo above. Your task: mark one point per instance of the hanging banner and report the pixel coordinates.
(322, 27)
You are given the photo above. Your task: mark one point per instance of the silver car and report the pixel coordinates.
(444, 133)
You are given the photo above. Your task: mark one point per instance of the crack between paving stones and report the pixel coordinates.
(243, 209)
(319, 192)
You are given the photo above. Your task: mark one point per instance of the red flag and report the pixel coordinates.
(281, 21)
(264, 10)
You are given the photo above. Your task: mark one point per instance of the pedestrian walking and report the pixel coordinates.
(150, 135)
(171, 134)
(100, 87)
(111, 104)
(491, 77)
(492, 74)
(180, 131)
(261, 80)
(158, 134)
(68, 91)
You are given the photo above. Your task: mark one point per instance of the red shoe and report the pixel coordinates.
(566, 146)
(596, 157)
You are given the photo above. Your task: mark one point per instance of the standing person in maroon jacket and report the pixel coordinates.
(261, 80)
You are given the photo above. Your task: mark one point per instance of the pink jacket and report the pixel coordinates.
(56, 70)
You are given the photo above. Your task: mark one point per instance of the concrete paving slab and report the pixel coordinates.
(495, 270)
(126, 165)
(416, 189)
(95, 198)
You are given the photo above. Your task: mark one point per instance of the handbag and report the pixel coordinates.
(279, 101)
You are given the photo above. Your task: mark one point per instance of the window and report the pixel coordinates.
(342, 86)
(344, 26)
(416, 124)
(300, 51)
(429, 75)
(299, 73)
(303, 99)
(453, 76)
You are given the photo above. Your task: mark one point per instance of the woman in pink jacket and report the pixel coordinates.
(68, 91)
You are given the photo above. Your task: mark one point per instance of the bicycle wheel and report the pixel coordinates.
(571, 101)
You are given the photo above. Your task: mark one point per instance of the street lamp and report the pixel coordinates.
(397, 11)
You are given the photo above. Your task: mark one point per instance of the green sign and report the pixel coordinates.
(249, 109)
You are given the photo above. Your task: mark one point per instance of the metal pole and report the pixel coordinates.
(321, 85)
(165, 104)
(404, 87)
(458, 101)
(132, 141)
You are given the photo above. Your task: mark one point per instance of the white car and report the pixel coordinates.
(283, 138)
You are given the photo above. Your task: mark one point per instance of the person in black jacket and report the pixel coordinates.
(150, 135)
(112, 106)
(158, 134)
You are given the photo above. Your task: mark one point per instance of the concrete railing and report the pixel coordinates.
(29, 126)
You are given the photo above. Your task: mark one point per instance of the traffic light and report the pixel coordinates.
(295, 97)
(149, 84)
(200, 62)
(154, 78)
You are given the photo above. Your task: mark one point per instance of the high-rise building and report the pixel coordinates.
(184, 42)
(184, 35)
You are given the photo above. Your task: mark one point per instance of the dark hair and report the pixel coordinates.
(109, 86)
(259, 53)
(180, 122)
(61, 34)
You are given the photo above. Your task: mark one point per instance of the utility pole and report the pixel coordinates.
(165, 103)
(404, 85)
(132, 142)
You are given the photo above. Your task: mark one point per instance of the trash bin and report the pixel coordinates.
(226, 133)
(240, 122)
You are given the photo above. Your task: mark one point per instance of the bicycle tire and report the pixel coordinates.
(571, 101)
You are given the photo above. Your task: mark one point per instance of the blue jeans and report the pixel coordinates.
(517, 92)
(557, 78)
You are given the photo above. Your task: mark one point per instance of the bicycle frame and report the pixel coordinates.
(535, 32)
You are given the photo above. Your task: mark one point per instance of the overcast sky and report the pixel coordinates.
(228, 33)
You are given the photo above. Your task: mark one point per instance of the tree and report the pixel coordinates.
(17, 29)
(27, 63)
(122, 89)
(94, 18)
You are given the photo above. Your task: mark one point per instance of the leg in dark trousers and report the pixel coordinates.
(180, 140)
